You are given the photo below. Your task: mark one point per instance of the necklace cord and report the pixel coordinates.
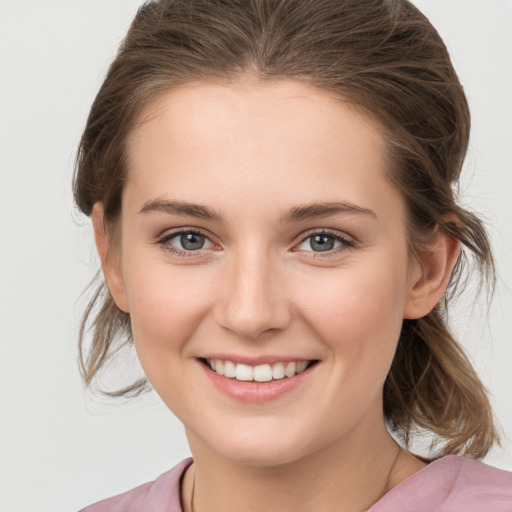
(192, 492)
(386, 485)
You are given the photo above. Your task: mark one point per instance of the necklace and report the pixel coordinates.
(386, 485)
(192, 492)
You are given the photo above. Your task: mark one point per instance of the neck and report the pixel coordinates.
(348, 475)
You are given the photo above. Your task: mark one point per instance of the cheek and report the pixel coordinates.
(166, 305)
(357, 316)
(358, 313)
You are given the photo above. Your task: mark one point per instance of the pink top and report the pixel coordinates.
(449, 484)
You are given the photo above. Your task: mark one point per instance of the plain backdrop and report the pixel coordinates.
(61, 449)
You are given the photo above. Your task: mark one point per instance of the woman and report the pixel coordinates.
(271, 188)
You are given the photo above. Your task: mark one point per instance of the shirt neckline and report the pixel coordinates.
(418, 475)
(381, 501)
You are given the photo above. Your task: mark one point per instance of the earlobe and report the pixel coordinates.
(433, 271)
(110, 262)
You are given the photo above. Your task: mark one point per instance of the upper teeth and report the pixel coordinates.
(259, 373)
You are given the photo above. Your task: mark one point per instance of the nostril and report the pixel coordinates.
(251, 303)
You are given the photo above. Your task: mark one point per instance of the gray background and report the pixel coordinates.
(60, 449)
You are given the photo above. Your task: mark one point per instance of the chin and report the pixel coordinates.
(259, 447)
(256, 456)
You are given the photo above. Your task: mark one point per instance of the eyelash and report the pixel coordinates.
(164, 242)
(345, 243)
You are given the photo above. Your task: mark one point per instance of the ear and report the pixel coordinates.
(431, 274)
(109, 257)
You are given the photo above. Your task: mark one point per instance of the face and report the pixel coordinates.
(261, 235)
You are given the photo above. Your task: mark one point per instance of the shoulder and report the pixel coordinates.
(161, 495)
(478, 486)
(449, 484)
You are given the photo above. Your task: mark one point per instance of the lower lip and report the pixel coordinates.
(256, 392)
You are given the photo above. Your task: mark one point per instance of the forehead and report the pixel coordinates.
(258, 110)
(255, 139)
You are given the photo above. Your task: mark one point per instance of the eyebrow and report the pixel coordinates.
(181, 208)
(318, 210)
(297, 213)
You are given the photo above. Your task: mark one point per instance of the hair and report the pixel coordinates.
(385, 57)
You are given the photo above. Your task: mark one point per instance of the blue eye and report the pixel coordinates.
(324, 242)
(186, 241)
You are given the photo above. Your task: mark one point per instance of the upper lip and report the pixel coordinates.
(255, 361)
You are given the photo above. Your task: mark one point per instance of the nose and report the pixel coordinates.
(253, 299)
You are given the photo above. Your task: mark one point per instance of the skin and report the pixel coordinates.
(251, 152)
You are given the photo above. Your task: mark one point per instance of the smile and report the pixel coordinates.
(258, 373)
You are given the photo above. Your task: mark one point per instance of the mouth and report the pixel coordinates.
(259, 373)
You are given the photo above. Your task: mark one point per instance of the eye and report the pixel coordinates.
(185, 241)
(324, 242)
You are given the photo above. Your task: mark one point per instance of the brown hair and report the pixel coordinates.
(383, 55)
